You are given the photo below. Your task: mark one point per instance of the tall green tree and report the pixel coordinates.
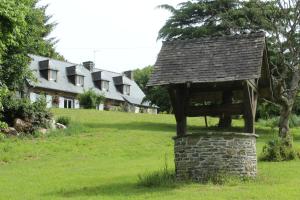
(280, 19)
(24, 29)
(156, 95)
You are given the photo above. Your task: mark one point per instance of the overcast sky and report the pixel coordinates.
(118, 35)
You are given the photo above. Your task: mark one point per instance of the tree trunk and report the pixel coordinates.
(285, 112)
(287, 103)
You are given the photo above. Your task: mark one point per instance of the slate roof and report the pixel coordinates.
(63, 84)
(214, 59)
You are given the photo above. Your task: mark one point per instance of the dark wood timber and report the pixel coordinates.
(179, 96)
(225, 119)
(215, 110)
(250, 103)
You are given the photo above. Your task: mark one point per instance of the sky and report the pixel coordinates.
(118, 35)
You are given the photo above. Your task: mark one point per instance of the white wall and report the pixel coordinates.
(49, 101)
(61, 102)
(76, 104)
(33, 97)
(136, 110)
(100, 106)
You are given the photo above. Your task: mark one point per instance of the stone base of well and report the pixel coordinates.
(201, 155)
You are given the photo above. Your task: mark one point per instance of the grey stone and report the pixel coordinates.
(60, 126)
(22, 126)
(10, 131)
(43, 131)
(215, 153)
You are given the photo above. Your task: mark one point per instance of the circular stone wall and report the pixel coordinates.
(199, 156)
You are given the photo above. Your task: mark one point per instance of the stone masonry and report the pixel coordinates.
(199, 156)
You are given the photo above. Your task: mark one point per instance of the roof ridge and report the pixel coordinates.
(48, 58)
(217, 37)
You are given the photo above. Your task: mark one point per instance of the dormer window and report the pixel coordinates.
(79, 80)
(52, 75)
(104, 85)
(126, 89)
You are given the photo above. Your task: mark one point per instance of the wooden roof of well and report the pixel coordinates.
(214, 59)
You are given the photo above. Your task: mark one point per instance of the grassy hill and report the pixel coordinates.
(101, 155)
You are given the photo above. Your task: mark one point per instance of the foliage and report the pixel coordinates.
(157, 95)
(164, 177)
(90, 99)
(65, 120)
(24, 27)
(278, 150)
(157, 179)
(2, 136)
(266, 110)
(3, 125)
(36, 113)
(3, 93)
(294, 121)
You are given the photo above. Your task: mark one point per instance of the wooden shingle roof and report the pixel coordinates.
(214, 59)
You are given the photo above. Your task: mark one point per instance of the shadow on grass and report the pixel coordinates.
(264, 133)
(148, 126)
(113, 189)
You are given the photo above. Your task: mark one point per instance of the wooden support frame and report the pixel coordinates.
(179, 96)
(250, 104)
(215, 110)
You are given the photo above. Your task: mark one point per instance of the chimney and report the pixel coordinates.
(129, 74)
(89, 65)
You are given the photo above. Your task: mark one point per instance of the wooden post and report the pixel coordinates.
(225, 119)
(179, 99)
(250, 102)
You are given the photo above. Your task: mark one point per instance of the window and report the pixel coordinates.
(104, 85)
(52, 75)
(126, 89)
(79, 80)
(68, 103)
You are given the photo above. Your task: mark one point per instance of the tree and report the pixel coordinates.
(156, 95)
(278, 18)
(24, 28)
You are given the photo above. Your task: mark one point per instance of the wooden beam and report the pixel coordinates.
(215, 110)
(248, 109)
(179, 96)
(225, 119)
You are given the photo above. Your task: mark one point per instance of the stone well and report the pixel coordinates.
(201, 155)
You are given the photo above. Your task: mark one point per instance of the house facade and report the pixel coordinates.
(61, 82)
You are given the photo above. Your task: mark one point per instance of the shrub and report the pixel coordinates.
(278, 150)
(90, 99)
(35, 113)
(64, 120)
(3, 125)
(160, 178)
(164, 177)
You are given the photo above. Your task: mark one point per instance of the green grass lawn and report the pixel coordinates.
(101, 155)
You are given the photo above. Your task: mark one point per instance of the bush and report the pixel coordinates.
(64, 120)
(160, 178)
(89, 99)
(278, 150)
(164, 177)
(35, 113)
